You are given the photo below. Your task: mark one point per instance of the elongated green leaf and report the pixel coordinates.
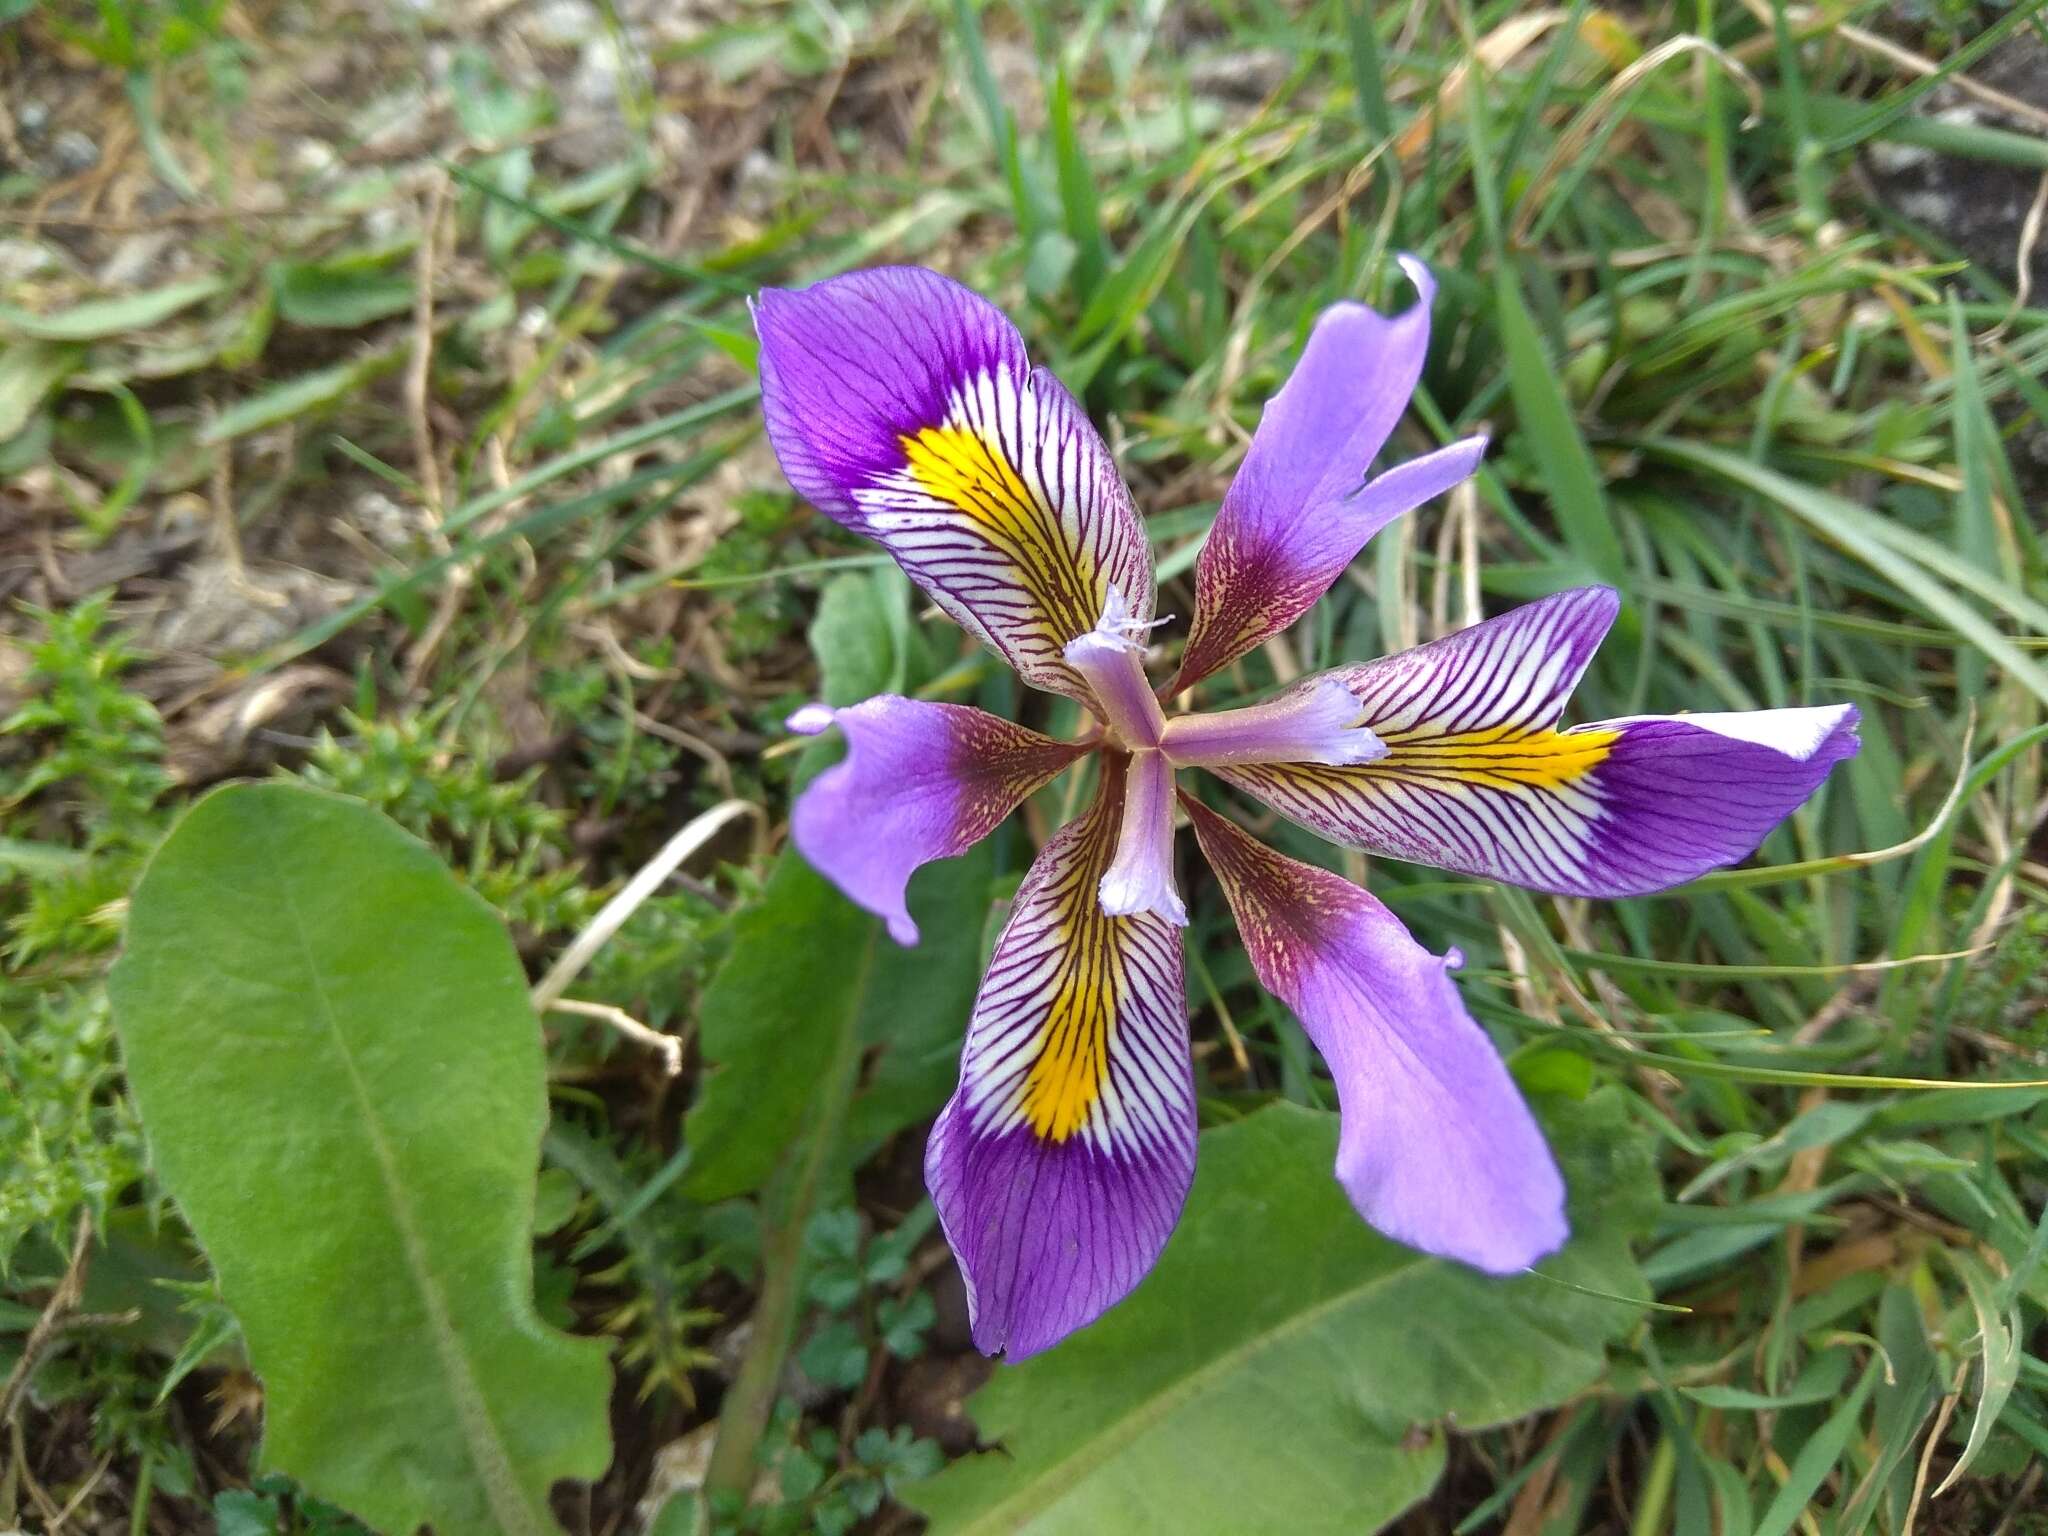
(1820, 1382)
(1552, 437)
(1817, 1458)
(1868, 119)
(97, 319)
(1077, 192)
(1968, 140)
(1002, 128)
(341, 1079)
(1367, 77)
(531, 523)
(1910, 1384)
(340, 294)
(1902, 557)
(1999, 1332)
(42, 860)
(1867, 535)
(1285, 1368)
(296, 397)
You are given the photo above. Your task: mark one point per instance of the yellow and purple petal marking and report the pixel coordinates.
(919, 782)
(1437, 1149)
(1300, 508)
(903, 406)
(1061, 1163)
(1478, 778)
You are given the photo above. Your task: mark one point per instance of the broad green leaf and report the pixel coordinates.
(855, 640)
(918, 1001)
(341, 293)
(340, 1075)
(1284, 1359)
(97, 319)
(823, 1037)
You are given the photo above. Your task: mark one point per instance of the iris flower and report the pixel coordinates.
(903, 406)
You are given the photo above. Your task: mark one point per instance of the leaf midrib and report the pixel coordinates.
(1067, 1473)
(481, 1440)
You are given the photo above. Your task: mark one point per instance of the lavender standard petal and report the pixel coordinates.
(1300, 510)
(1111, 659)
(1140, 878)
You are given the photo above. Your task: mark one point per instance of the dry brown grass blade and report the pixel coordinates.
(547, 992)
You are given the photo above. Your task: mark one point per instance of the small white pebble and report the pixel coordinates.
(75, 152)
(312, 157)
(1896, 159)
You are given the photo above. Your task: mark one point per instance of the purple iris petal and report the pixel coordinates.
(1049, 1237)
(1061, 1163)
(903, 405)
(1478, 778)
(919, 782)
(1296, 515)
(1437, 1149)
(852, 365)
(1682, 795)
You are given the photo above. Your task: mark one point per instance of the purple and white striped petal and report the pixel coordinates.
(1477, 778)
(1061, 1163)
(1300, 508)
(902, 405)
(1437, 1149)
(919, 782)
